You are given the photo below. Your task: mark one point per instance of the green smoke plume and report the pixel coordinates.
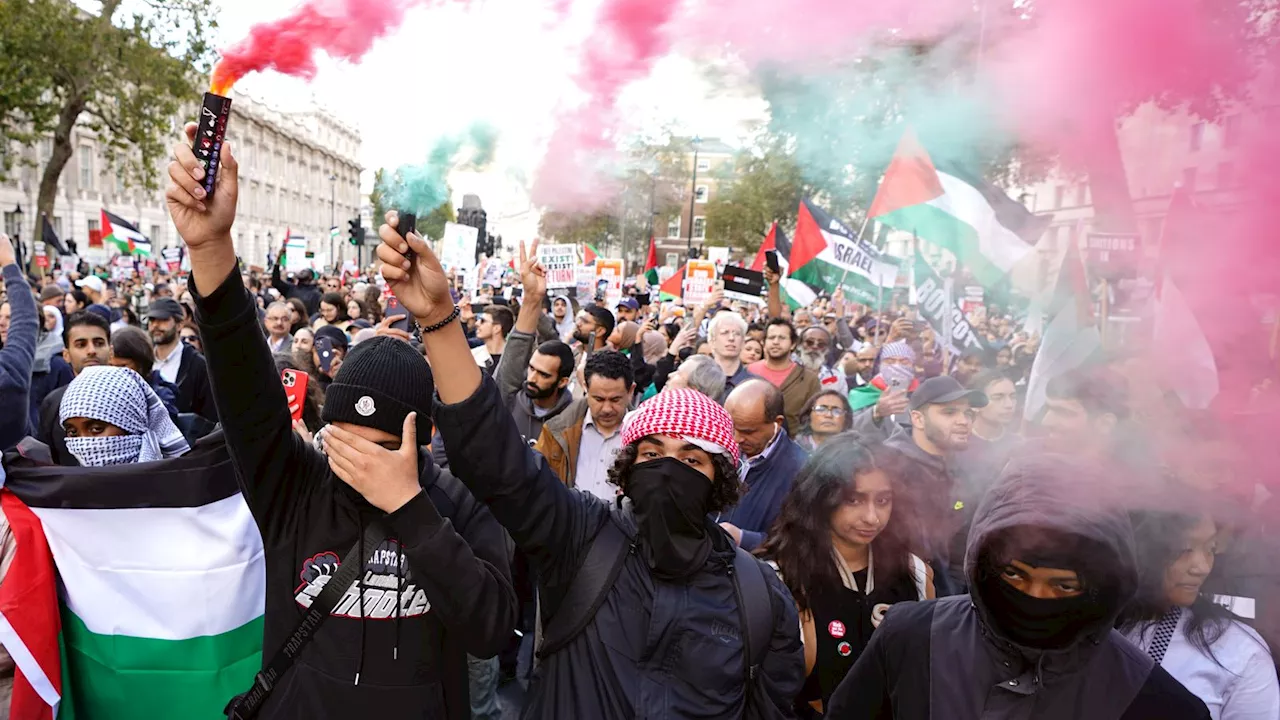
(423, 188)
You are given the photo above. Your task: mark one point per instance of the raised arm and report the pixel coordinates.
(547, 520)
(19, 349)
(271, 461)
(522, 341)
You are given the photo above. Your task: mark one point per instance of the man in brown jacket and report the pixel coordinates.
(796, 382)
(581, 441)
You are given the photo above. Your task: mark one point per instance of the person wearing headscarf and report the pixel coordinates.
(49, 370)
(112, 417)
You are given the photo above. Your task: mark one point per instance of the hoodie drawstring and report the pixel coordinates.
(360, 601)
(395, 650)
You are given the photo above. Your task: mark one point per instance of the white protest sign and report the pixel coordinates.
(561, 263)
(699, 282)
(610, 271)
(585, 283)
(69, 263)
(458, 246)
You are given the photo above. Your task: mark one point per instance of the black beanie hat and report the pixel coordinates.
(380, 382)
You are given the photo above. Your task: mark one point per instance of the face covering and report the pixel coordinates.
(904, 374)
(1044, 624)
(101, 451)
(669, 499)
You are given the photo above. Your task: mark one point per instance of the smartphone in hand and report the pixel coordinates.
(295, 389)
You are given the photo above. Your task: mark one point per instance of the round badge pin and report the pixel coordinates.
(845, 649)
(365, 406)
(836, 628)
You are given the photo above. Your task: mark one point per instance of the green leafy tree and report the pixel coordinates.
(376, 198)
(433, 224)
(125, 78)
(766, 185)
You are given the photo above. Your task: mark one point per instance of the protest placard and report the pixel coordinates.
(610, 270)
(561, 263)
(172, 258)
(699, 282)
(458, 246)
(743, 284)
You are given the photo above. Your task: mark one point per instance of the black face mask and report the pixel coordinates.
(1043, 624)
(669, 499)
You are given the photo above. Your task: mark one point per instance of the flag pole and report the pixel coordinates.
(1105, 312)
(866, 219)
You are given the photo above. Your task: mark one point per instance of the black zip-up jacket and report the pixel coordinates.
(407, 647)
(309, 294)
(654, 649)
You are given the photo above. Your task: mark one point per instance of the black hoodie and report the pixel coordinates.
(408, 648)
(945, 658)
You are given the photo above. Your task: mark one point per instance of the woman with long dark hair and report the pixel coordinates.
(333, 311)
(825, 416)
(298, 317)
(1174, 619)
(842, 550)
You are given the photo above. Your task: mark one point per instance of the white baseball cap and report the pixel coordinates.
(93, 282)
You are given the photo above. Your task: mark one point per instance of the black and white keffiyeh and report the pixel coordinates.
(121, 397)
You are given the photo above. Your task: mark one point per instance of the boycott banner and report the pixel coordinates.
(1113, 255)
(743, 284)
(699, 282)
(943, 312)
(172, 258)
(609, 274)
(458, 246)
(561, 263)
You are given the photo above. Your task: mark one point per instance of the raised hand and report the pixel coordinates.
(414, 273)
(6, 251)
(386, 478)
(532, 275)
(201, 221)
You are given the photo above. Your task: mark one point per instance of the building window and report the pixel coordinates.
(86, 168)
(673, 259)
(1197, 136)
(1226, 175)
(1189, 179)
(700, 227)
(704, 165)
(155, 236)
(1231, 131)
(1082, 194)
(94, 225)
(12, 224)
(673, 227)
(700, 193)
(1059, 194)
(57, 226)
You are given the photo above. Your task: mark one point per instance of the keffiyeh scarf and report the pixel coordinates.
(121, 397)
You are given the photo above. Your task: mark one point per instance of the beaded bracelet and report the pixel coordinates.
(452, 316)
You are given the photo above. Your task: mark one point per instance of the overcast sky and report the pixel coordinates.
(449, 66)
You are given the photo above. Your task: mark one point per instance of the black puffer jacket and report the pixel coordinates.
(654, 649)
(946, 659)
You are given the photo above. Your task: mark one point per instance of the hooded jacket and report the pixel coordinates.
(511, 374)
(654, 649)
(308, 293)
(948, 659)
(436, 589)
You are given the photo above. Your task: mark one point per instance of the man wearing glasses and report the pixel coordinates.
(815, 349)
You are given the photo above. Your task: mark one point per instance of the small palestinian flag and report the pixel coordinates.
(673, 288)
(826, 256)
(589, 254)
(776, 241)
(651, 264)
(124, 237)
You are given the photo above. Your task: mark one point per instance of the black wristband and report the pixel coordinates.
(452, 316)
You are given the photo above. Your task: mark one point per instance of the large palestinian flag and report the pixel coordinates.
(826, 256)
(162, 570)
(127, 239)
(954, 209)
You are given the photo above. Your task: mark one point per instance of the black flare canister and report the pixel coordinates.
(214, 113)
(407, 223)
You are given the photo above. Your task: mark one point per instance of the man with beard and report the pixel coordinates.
(796, 382)
(857, 365)
(561, 316)
(661, 634)
(534, 383)
(180, 363)
(593, 326)
(87, 337)
(941, 425)
(815, 348)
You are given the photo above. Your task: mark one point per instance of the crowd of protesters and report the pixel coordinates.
(648, 508)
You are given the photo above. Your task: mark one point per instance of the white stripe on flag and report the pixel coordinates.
(1064, 348)
(998, 244)
(27, 665)
(127, 570)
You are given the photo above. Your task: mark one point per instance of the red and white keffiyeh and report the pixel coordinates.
(686, 414)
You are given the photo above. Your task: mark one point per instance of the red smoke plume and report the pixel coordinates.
(343, 29)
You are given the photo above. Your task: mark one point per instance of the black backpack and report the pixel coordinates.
(589, 587)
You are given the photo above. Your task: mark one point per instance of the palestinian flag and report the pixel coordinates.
(776, 241)
(163, 577)
(1184, 362)
(651, 264)
(827, 256)
(127, 239)
(1071, 340)
(673, 288)
(589, 253)
(956, 210)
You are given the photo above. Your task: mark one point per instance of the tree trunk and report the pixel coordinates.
(61, 154)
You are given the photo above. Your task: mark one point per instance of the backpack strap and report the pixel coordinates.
(247, 705)
(755, 609)
(587, 591)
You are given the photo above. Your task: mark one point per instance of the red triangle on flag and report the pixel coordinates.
(910, 179)
(674, 285)
(809, 242)
(651, 263)
(588, 254)
(770, 243)
(29, 605)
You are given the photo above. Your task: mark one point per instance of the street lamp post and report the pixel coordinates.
(693, 197)
(333, 189)
(17, 237)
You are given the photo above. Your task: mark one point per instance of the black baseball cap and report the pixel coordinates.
(945, 389)
(164, 309)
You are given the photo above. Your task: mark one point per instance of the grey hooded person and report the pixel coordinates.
(1051, 562)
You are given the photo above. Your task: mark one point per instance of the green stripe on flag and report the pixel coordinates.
(946, 231)
(132, 677)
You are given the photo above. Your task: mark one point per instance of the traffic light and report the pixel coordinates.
(355, 233)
